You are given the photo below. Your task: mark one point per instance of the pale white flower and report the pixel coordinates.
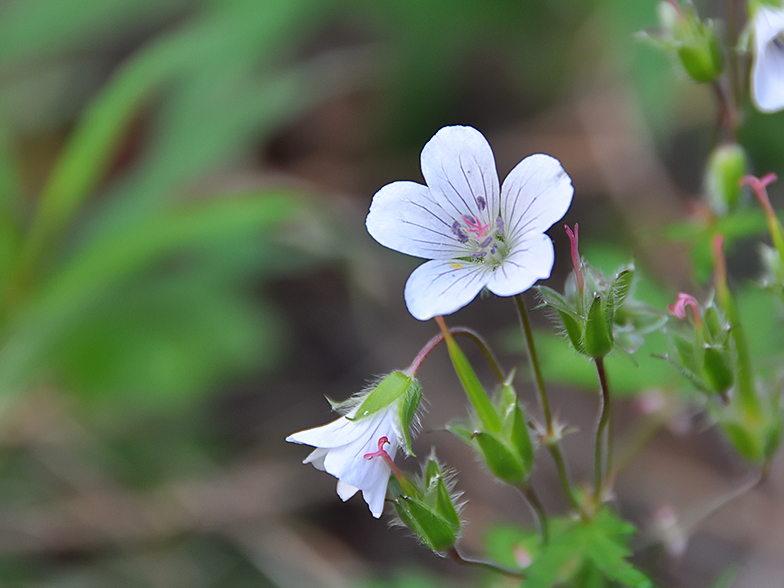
(767, 71)
(357, 452)
(475, 234)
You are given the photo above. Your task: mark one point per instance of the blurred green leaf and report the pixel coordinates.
(107, 262)
(226, 45)
(36, 28)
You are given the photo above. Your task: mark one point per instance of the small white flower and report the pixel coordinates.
(474, 234)
(349, 450)
(767, 71)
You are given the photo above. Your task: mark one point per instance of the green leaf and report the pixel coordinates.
(601, 542)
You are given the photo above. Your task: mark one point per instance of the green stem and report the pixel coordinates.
(603, 445)
(539, 513)
(550, 440)
(534, 360)
(745, 375)
(468, 333)
(484, 564)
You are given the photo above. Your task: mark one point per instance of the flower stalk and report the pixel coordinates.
(603, 446)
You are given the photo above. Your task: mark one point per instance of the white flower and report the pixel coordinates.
(350, 451)
(475, 235)
(767, 71)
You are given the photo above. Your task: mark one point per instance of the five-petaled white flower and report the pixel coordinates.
(358, 453)
(767, 71)
(474, 234)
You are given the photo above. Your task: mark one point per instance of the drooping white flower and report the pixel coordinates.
(474, 234)
(767, 71)
(347, 449)
(359, 448)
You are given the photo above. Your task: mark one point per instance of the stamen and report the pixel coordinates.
(480, 201)
(459, 232)
(499, 224)
(494, 248)
(479, 254)
(486, 242)
(475, 226)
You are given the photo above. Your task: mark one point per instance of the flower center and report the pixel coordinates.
(485, 239)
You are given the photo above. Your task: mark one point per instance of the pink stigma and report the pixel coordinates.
(474, 226)
(678, 308)
(576, 261)
(385, 456)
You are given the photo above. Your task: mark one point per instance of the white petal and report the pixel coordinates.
(339, 432)
(767, 75)
(346, 491)
(530, 261)
(316, 457)
(375, 494)
(535, 194)
(348, 462)
(404, 216)
(443, 287)
(459, 168)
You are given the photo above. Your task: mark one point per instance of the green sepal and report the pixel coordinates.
(391, 388)
(622, 286)
(573, 331)
(445, 506)
(407, 411)
(717, 369)
(432, 529)
(520, 439)
(598, 338)
(503, 462)
(684, 348)
(713, 323)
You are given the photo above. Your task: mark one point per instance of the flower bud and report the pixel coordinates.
(700, 51)
(726, 168)
(431, 511)
(717, 369)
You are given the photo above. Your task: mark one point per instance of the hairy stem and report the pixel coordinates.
(603, 447)
(484, 564)
(551, 441)
(539, 513)
(534, 360)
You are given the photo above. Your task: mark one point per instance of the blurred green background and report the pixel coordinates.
(184, 271)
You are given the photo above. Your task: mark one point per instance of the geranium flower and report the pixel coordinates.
(767, 71)
(474, 234)
(348, 449)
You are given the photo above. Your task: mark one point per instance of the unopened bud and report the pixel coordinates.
(431, 512)
(598, 338)
(726, 168)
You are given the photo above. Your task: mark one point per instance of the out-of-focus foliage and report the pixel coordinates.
(139, 234)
